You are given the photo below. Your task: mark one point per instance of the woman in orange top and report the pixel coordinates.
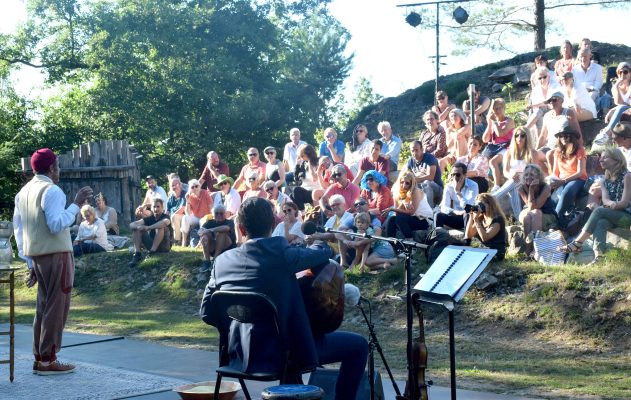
(569, 172)
(198, 205)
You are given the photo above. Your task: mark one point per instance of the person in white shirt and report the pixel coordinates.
(588, 74)
(153, 191)
(576, 96)
(290, 227)
(92, 235)
(360, 148)
(459, 192)
(290, 153)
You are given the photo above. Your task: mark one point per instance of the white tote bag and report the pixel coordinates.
(547, 247)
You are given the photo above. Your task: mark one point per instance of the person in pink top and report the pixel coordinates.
(254, 188)
(254, 165)
(375, 189)
(566, 62)
(498, 135)
(343, 186)
(373, 161)
(198, 205)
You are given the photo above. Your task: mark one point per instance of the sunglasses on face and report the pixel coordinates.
(456, 175)
(370, 179)
(287, 211)
(564, 136)
(194, 186)
(360, 204)
(359, 131)
(541, 78)
(269, 190)
(521, 135)
(225, 183)
(336, 175)
(252, 155)
(440, 98)
(270, 152)
(407, 183)
(219, 214)
(251, 179)
(624, 71)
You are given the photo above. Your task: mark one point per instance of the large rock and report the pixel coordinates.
(522, 75)
(590, 129)
(504, 75)
(619, 237)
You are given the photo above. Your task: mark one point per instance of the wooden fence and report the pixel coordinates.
(108, 166)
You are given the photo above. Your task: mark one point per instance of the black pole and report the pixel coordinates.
(452, 354)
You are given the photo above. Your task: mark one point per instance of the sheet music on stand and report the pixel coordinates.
(452, 274)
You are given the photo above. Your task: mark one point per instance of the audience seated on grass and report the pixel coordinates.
(459, 192)
(254, 165)
(358, 148)
(541, 61)
(291, 226)
(340, 220)
(216, 235)
(176, 207)
(253, 188)
(426, 172)
(198, 205)
(519, 154)
(331, 146)
(277, 198)
(373, 161)
(410, 211)
(613, 211)
(375, 188)
(227, 196)
(391, 145)
(487, 223)
(213, 168)
(588, 74)
(153, 191)
(621, 93)
(274, 169)
(556, 120)
(310, 190)
(481, 107)
(537, 106)
(568, 173)
(92, 235)
(477, 164)
(370, 254)
(442, 108)
(566, 62)
(458, 134)
(498, 135)
(361, 205)
(434, 138)
(539, 212)
(152, 233)
(290, 154)
(340, 185)
(107, 214)
(576, 97)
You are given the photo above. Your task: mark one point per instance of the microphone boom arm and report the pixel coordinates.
(394, 241)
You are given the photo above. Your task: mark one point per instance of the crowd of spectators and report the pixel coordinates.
(477, 179)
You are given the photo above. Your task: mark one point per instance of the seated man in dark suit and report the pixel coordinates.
(268, 265)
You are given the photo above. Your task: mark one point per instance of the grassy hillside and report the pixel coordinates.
(554, 332)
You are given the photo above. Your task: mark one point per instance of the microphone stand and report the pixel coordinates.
(407, 247)
(373, 344)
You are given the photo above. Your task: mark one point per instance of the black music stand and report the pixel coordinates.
(447, 281)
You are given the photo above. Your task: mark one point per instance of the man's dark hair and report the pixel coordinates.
(462, 166)
(157, 200)
(378, 142)
(414, 143)
(256, 215)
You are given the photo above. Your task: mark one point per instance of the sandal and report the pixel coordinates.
(574, 247)
(596, 260)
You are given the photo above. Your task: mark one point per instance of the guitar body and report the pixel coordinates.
(323, 294)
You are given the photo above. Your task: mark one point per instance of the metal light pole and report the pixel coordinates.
(460, 15)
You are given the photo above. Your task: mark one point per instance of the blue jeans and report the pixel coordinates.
(602, 220)
(615, 117)
(351, 350)
(86, 248)
(567, 198)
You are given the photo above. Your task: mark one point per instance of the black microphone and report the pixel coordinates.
(309, 228)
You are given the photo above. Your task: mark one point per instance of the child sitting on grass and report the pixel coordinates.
(374, 254)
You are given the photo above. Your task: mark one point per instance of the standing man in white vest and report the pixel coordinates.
(41, 224)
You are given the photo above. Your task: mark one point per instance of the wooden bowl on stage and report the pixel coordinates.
(205, 390)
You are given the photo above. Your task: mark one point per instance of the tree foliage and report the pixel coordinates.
(181, 77)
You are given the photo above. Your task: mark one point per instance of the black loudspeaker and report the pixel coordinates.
(326, 378)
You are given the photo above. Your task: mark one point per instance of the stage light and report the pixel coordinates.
(460, 15)
(414, 19)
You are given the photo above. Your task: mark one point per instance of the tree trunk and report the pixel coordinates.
(540, 25)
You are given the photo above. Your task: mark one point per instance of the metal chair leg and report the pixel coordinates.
(217, 386)
(245, 389)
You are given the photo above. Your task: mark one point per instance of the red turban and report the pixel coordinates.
(42, 159)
